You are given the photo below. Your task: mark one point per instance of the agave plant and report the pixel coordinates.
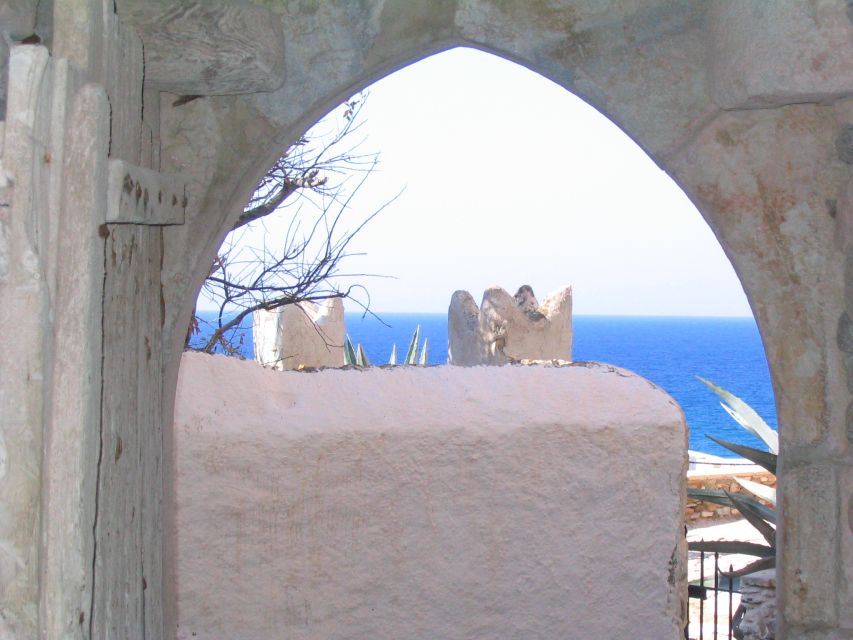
(757, 514)
(356, 355)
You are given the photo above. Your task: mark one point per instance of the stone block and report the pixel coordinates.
(300, 335)
(208, 48)
(141, 196)
(767, 54)
(439, 502)
(506, 329)
(809, 545)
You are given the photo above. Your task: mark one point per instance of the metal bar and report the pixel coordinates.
(702, 602)
(716, 589)
(687, 621)
(731, 589)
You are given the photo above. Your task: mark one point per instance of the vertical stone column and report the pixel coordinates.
(23, 311)
(775, 178)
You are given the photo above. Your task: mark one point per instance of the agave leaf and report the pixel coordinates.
(424, 353)
(732, 546)
(719, 497)
(759, 565)
(709, 495)
(361, 357)
(393, 358)
(754, 518)
(759, 457)
(745, 416)
(762, 491)
(349, 352)
(412, 353)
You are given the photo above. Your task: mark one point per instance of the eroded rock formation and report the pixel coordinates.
(506, 328)
(300, 335)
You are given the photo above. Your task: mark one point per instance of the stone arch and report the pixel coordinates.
(735, 164)
(759, 141)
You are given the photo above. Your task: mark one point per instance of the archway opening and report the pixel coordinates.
(591, 209)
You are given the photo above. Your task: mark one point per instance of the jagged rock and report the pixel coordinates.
(758, 598)
(508, 329)
(300, 335)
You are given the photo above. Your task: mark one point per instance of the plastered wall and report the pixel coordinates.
(442, 502)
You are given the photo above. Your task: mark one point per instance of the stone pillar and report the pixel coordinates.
(506, 329)
(300, 335)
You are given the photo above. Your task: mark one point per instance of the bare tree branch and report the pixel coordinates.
(305, 262)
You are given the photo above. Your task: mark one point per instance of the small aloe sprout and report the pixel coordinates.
(361, 357)
(349, 352)
(424, 353)
(412, 353)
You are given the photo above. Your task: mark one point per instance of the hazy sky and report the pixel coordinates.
(509, 179)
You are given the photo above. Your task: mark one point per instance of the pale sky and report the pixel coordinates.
(509, 179)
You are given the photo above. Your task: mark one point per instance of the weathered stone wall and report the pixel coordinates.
(435, 502)
(300, 335)
(506, 328)
(700, 512)
(759, 141)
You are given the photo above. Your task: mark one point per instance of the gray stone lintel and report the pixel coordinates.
(141, 196)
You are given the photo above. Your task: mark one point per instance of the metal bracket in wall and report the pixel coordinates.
(136, 195)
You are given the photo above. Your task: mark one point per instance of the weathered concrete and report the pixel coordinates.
(300, 335)
(746, 104)
(208, 48)
(509, 328)
(438, 503)
(782, 53)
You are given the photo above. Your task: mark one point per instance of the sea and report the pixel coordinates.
(669, 351)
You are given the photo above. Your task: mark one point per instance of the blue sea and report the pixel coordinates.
(669, 351)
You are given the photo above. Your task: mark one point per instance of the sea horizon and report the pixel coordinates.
(670, 351)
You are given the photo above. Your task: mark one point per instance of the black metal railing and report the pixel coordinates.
(708, 591)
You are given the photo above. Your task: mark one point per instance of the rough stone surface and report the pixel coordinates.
(773, 182)
(427, 502)
(846, 535)
(506, 328)
(208, 48)
(809, 546)
(300, 335)
(758, 597)
(845, 144)
(785, 52)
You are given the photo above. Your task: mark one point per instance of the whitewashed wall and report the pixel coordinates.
(443, 502)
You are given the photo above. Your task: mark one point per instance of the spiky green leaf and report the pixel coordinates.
(756, 488)
(754, 518)
(759, 457)
(424, 353)
(361, 357)
(393, 358)
(732, 546)
(412, 353)
(745, 416)
(719, 497)
(753, 567)
(349, 352)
